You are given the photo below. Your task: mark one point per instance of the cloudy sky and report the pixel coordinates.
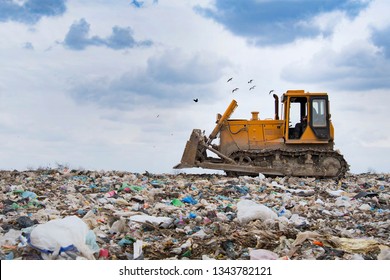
(102, 84)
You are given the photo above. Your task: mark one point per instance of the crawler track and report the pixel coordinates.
(302, 162)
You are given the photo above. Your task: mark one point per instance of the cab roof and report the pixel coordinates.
(301, 92)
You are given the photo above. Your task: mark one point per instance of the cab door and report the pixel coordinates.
(319, 117)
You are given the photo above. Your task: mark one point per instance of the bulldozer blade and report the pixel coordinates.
(189, 155)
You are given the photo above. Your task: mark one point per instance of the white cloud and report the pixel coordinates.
(348, 59)
(171, 78)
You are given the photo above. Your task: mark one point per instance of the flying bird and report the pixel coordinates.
(235, 89)
(252, 87)
(229, 80)
(196, 100)
(250, 81)
(137, 4)
(271, 91)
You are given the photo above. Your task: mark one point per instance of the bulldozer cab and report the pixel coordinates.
(307, 117)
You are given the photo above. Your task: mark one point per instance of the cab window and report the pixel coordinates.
(319, 112)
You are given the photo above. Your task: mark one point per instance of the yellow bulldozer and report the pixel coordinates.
(299, 143)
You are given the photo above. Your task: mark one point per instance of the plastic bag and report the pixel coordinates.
(358, 245)
(190, 200)
(261, 254)
(248, 210)
(62, 235)
(10, 238)
(385, 253)
(118, 226)
(298, 220)
(163, 222)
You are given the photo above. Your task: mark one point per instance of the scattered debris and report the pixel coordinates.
(78, 214)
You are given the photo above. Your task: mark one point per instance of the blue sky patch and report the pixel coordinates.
(276, 22)
(381, 38)
(30, 11)
(137, 4)
(141, 4)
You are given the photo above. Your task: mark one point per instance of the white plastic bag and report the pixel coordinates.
(62, 235)
(10, 238)
(118, 226)
(384, 254)
(298, 221)
(248, 210)
(163, 222)
(262, 254)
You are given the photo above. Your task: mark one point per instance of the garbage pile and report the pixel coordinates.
(80, 214)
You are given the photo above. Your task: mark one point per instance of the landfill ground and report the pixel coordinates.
(183, 216)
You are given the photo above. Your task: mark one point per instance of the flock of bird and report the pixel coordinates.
(249, 82)
(236, 89)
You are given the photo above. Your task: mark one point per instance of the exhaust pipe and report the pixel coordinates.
(276, 107)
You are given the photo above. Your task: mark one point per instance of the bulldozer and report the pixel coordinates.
(299, 143)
